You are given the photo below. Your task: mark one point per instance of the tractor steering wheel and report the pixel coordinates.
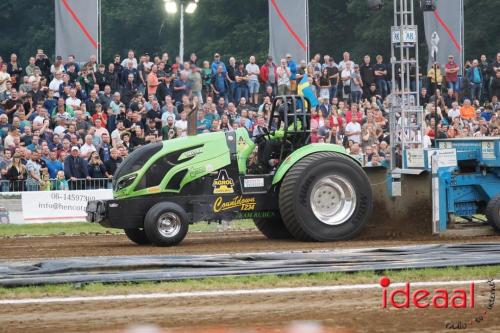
(260, 137)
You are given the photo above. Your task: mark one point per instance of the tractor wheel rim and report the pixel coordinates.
(169, 224)
(333, 200)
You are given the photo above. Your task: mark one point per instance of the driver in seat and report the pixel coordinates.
(269, 143)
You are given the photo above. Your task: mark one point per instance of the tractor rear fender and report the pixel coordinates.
(304, 151)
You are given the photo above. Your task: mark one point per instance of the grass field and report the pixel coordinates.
(249, 282)
(82, 228)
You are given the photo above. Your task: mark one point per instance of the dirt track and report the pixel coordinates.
(353, 311)
(195, 243)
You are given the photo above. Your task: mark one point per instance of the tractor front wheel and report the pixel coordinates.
(273, 228)
(166, 224)
(137, 236)
(326, 196)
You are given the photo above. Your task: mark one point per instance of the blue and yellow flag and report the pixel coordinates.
(305, 90)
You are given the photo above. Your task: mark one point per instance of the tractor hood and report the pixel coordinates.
(169, 165)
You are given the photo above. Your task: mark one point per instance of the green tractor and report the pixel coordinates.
(290, 188)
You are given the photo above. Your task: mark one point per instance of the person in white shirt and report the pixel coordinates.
(284, 74)
(182, 123)
(346, 60)
(116, 134)
(87, 148)
(346, 76)
(56, 83)
(353, 130)
(57, 66)
(130, 57)
(454, 111)
(61, 127)
(99, 129)
(73, 101)
(4, 77)
(253, 81)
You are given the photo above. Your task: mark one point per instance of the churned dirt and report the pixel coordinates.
(195, 243)
(346, 311)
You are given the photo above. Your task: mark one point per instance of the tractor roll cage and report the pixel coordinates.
(286, 108)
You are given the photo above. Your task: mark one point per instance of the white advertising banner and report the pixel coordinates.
(59, 206)
(444, 157)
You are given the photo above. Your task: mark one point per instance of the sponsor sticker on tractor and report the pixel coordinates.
(191, 153)
(244, 204)
(223, 183)
(253, 182)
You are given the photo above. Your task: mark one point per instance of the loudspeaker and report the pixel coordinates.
(428, 5)
(375, 4)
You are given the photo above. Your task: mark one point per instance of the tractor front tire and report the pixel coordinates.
(273, 228)
(166, 224)
(137, 236)
(493, 212)
(325, 196)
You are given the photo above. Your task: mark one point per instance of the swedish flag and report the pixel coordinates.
(305, 90)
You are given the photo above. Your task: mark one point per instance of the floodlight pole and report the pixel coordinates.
(181, 38)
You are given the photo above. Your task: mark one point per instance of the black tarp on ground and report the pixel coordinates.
(163, 268)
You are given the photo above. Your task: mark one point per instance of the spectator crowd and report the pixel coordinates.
(65, 123)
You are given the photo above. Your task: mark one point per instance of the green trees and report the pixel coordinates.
(232, 28)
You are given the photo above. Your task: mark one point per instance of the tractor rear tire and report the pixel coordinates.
(493, 212)
(273, 228)
(166, 224)
(137, 236)
(326, 196)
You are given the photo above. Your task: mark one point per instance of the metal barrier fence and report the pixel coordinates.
(55, 185)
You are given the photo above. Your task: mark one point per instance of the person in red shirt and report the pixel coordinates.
(335, 120)
(354, 111)
(99, 114)
(451, 74)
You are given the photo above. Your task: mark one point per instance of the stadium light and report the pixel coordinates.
(191, 7)
(171, 7)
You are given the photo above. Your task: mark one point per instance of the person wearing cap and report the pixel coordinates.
(75, 169)
(216, 63)
(268, 74)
